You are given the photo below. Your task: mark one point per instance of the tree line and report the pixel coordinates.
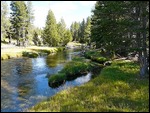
(19, 26)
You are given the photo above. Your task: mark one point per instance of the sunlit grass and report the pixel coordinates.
(74, 44)
(31, 51)
(73, 69)
(118, 89)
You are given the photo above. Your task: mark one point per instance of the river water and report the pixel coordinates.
(24, 81)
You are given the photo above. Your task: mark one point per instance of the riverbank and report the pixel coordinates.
(32, 51)
(12, 51)
(118, 88)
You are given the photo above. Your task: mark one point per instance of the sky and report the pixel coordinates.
(70, 11)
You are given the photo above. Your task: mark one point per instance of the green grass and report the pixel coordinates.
(74, 44)
(73, 69)
(96, 55)
(57, 79)
(117, 89)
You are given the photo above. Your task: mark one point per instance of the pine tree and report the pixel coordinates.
(108, 25)
(50, 33)
(122, 27)
(67, 37)
(76, 31)
(19, 21)
(5, 23)
(82, 31)
(30, 27)
(35, 38)
(61, 26)
(87, 31)
(72, 30)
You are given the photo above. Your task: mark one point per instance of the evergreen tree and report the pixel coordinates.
(30, 27)
(35, 38)
(140, 18)
(108, 25)
(76, 31)
(87, 31)
(61, 26)
(67, 37)
(122, 27)
(5, 23)
(19, 21)
(50, 33)
(82, 31)
(72, 30)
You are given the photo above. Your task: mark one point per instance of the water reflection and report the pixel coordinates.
(53, 60)
(24, 81)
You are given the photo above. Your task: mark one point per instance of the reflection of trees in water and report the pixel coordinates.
(24, 87)
(16, 82)
(24, 82)
(53, 60)
(24, 66)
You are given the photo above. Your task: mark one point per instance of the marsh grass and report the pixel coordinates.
(31, 52)
(73, 69)
(117, 89)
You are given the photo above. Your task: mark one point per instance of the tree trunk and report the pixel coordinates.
(17, 42)
(10, 39)
(144, 66)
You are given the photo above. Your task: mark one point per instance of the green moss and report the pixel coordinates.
(74, 68)
(30, 54)
(59, 77)
(56, 80)
(117, 89)
(95, 55)
(100, 60)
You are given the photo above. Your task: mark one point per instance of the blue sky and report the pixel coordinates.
(70, 11)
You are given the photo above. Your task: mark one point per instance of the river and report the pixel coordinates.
(24, 81)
